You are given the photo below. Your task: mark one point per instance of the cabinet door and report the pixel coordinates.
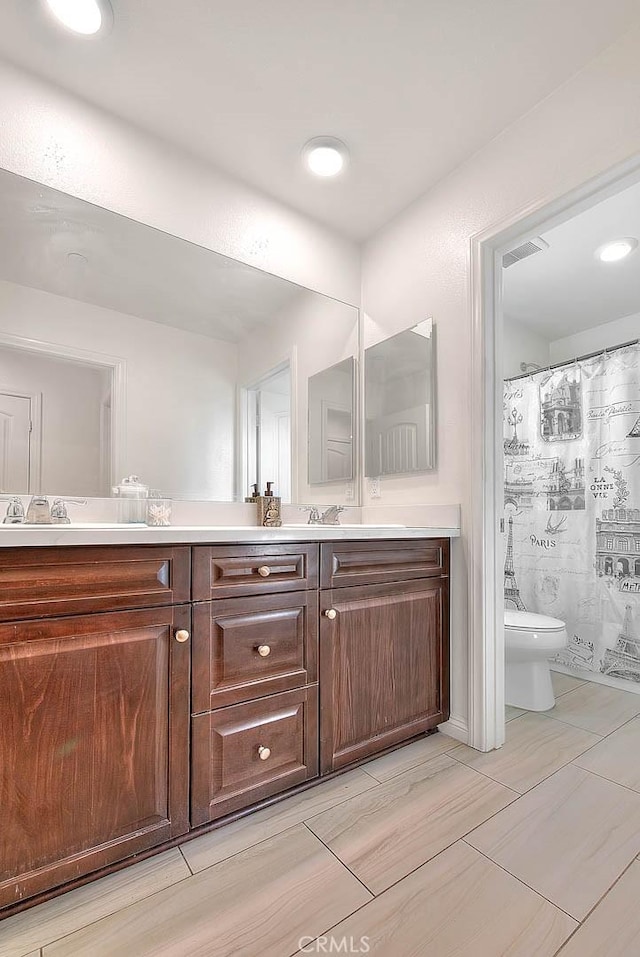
(384, 667)
(249, 751)
(94, 743)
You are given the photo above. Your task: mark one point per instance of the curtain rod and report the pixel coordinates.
(569, 362)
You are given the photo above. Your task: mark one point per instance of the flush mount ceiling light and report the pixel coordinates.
(616, 250)
(86, 17)
(77, 259)
(325, 156)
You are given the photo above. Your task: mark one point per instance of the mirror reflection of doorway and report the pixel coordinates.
(55, 424)
(17, 465)
(269, 432)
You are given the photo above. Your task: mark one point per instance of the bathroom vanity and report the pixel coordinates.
(149, 692)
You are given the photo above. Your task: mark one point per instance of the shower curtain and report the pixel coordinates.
(572, 508)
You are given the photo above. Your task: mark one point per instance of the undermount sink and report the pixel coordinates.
(342, 525)
(73, 525)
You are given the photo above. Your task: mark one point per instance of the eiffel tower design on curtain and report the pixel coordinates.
(511, 590)
(635, 431)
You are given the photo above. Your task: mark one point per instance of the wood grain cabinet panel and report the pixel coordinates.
(367, 563)
(384, 667)
(67, 581)
(246, 752)
(224, 571)
(246, 648)
(94, 743)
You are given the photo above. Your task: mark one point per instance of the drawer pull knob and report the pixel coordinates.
(331, 613)
(264, 571)
(264, 651)
(182, 635)
(265, 753)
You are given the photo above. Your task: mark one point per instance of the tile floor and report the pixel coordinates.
(434, 850)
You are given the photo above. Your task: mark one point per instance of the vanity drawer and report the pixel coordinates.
(246, 752)
(246, 648)
(44, 582)
(224, 571)
(370, 563)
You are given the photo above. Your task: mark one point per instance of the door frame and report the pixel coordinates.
(118, 369)
(486, 724)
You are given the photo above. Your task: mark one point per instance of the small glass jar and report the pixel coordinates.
(158, 511)
(133, 499)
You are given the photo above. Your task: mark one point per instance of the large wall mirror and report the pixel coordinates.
(399, 377)
(127, 350)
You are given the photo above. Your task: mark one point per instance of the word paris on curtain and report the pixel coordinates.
(572, 507)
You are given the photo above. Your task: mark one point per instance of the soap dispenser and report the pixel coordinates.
(269, 508)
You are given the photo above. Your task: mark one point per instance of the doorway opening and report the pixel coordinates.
(61, 419)
(565, 492)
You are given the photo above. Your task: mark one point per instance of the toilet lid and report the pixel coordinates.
(527, 621)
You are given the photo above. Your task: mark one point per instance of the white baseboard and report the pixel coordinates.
(456, 727)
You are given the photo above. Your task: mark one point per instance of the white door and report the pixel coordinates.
(15, 441)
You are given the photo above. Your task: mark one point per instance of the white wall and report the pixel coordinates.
(180, 388)
(56, 139)
(71, 396)
(605, 336)
(418, 266)
(522, 344)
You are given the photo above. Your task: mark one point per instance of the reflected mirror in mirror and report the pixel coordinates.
(331, 424)
(399, 377)
(125, 350)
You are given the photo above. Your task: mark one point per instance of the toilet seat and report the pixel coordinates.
(528, 621)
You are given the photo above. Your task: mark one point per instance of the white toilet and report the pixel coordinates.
(530, 640)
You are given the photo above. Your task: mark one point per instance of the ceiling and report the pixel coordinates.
(565, 289)
(414, 87)
(129, 267)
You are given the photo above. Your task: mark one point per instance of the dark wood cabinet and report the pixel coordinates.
(384, 672)
(148, 691)
(249, 751)
(224, 571)
(38, 582)
(245, 648)
(367, 562)
(94, 739)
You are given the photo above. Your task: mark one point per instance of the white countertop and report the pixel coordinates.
(104, 534)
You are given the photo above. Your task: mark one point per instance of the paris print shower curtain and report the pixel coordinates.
(572, 507)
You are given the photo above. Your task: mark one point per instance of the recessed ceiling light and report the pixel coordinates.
(325, 155)
(617, 249)
(81, 16)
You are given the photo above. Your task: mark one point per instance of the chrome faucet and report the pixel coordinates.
(332, 515)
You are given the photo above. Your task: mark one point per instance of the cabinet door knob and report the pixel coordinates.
(331, 613)
(264, 571)
(264, 753)
(264, 651)
(182, 635)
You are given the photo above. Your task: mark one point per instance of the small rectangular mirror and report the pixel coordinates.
(399, 375)
(331, 423)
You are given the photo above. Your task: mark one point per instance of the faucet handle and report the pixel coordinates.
(15, 512)
(59, 514)
(314, 514)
